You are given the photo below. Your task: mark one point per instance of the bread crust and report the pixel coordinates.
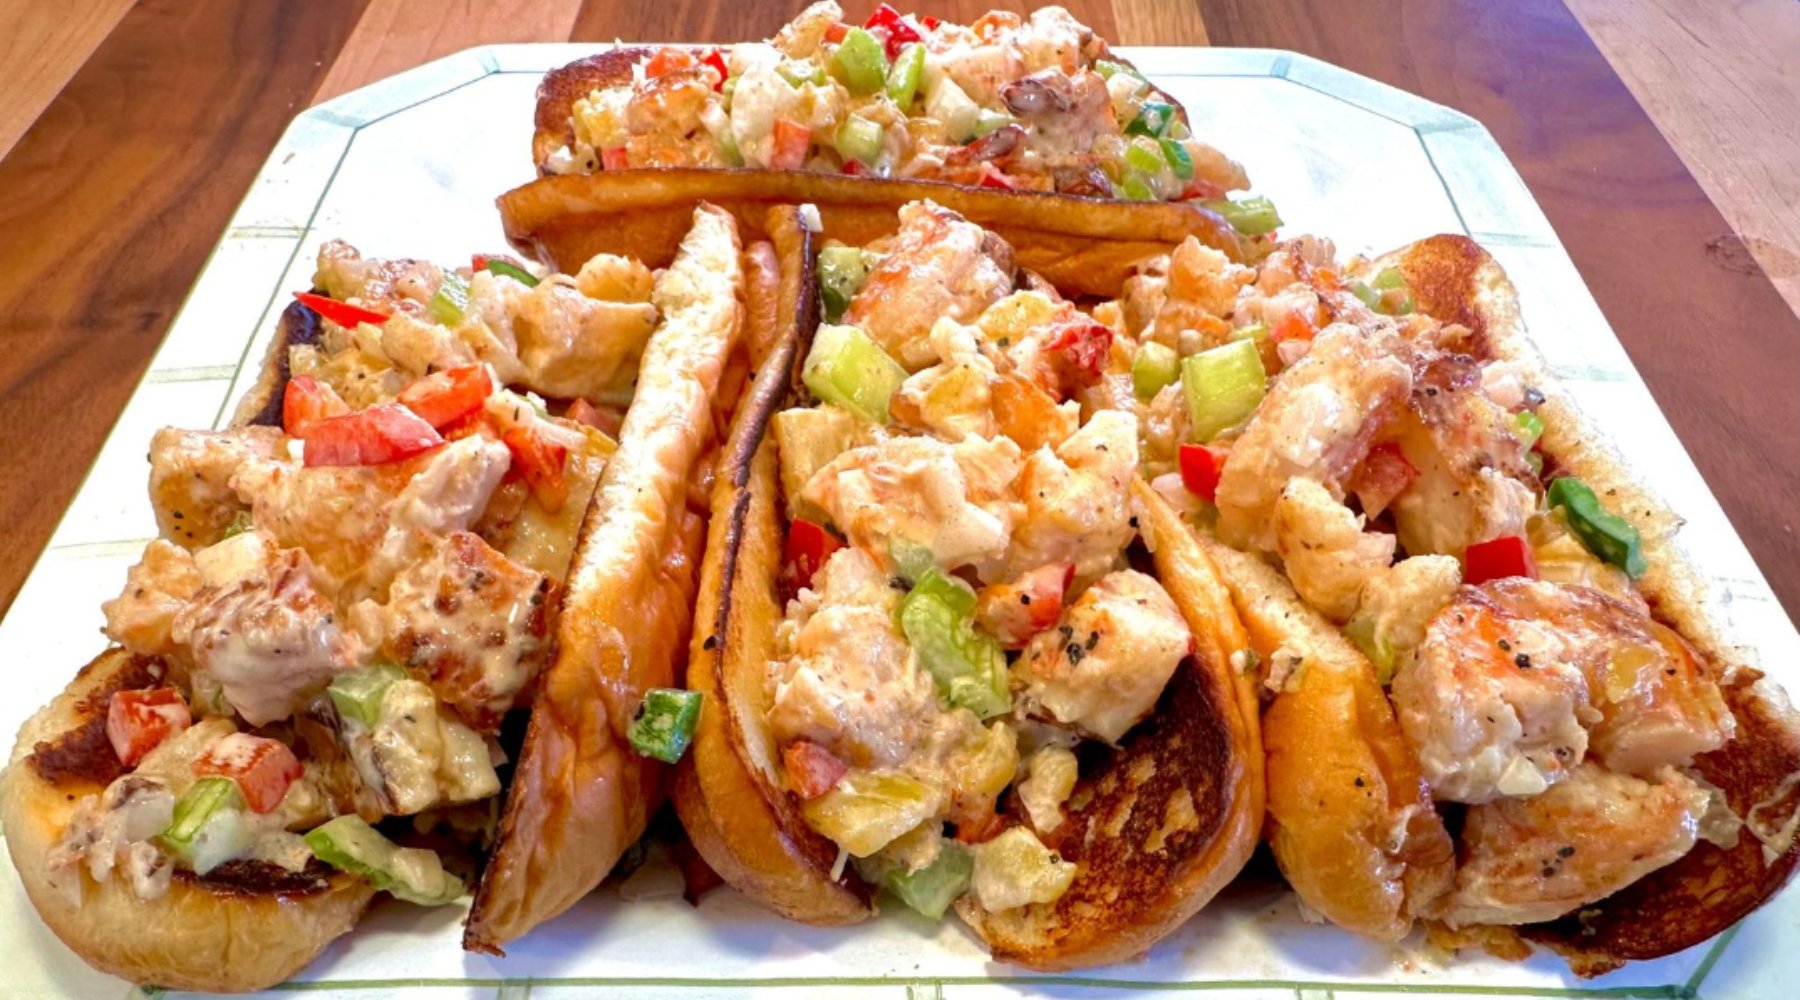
(203, 933)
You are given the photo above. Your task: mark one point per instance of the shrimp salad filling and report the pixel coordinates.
(340, 611)
(963, 615)
(1012, 102)
(1303, 410)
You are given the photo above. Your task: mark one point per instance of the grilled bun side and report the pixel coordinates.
(246, 927)
(1175, 812)
(1453, 279)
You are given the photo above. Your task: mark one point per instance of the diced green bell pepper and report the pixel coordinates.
(451, 299)
(1155, 366)
(665, 723)
(357, 693)
(860, 62)
(1531, 427)
(1152, 119)
(841, 273)
(1145, 156)
(507, 269)
(1253, 216)
(845, 367)
(240, 523)
(904, 77)
(1106, 68)
(932, 889)
(968, 666)
(413, 874)
(1361, 631)
(859, 139)
(1135, 188)
(1224, 386)
(1605, 534)
(1179, 160)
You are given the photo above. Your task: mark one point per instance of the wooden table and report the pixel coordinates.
(138, 126)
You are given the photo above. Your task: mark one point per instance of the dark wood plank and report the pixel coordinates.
(1712, 337)
(110, 204)
(735, 21)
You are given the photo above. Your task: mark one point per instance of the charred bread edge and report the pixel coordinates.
(1455, 279)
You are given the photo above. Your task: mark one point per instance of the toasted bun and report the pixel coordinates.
(580, 795)
(1175, 813)
(725, 789)
(1339, 773)
(1453, 279)
(1085, 246)
(241, 929)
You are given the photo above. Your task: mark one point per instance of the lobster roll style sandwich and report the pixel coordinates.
(952, 647)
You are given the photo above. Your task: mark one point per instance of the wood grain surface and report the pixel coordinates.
(164, 109)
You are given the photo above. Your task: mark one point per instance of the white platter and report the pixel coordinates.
(410, 166)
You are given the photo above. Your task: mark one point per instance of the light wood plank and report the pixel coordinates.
(1159, 22)
(396, 35)
(41, 47)
(1722, 82)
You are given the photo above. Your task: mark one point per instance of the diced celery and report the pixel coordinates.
(932, 889)
(841, 273)
(1361, 631)
(1155, 366)
(947, 102)
(1152, 119)
(1179, 160)
(357, 693)
(1605, 534)
(1253, 216)
(665, 723)
(968, 666)
(1531, 427)
(207, 828)
(798, 74)
(413, 874)
(860, 62)
(991, 121)
(911, 558)
(1106, 68)
(845, 367)
(1255, 331)
(1146, 156)
(240, 523)
(859, 139)
(1224, 386)
(1136, 188)
(451, 299)
(903, 79)
(1388, 278)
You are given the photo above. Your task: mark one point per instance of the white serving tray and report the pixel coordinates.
(410, 167)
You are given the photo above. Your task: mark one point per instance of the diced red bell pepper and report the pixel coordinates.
(443, 398)
(792, 140)
(991, 177)
(542, 462)
(667, 61)
(716, 59)
(1200, 470)
(138, 721)
(812, 770)
(262, 768)
(305, 402)
(1078, 352)
(1291, 326)
(1498, 558)
(1384, 475)
(1014, 612)
(837, 31)
(930, 23)
(342, 313)
(894, 30)
(616, 158)
(854, 168)
(385, 432)
(808, 546)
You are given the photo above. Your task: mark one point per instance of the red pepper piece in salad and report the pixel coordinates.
(1497, 558)
(385, 432)
(342, 313)
(443, 398)
(305, 402)
(1201, 468)
(808, 546)
(137, 722)
(262, 768)
(811, 769)
(542, 462)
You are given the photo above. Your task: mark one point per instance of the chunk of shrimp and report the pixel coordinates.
(1316, 423)
(1077, 499)
(939, 264)
(1536, 859)
(1325, 550)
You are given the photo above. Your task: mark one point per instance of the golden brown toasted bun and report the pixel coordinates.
(580, 796)
(1452, 278)
(1085, 246)
(1339, 773)
(1175, 812)
(244, 927)
(726, 789)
